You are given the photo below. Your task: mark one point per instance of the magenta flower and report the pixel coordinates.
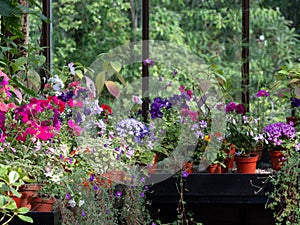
(239, 109)
(230, 107)
(262, 93)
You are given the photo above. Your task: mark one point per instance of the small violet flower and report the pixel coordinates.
(148, 62)
(185, 174)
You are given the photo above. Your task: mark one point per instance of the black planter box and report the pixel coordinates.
(213, 199)
(39, 218)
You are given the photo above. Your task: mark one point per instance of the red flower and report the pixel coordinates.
(106, 108)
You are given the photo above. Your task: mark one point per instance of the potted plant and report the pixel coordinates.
(10, 181)
(242, 132)
(279, 137)
(284, 198)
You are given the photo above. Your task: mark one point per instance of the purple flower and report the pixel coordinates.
(118, 194)
(82, 213)
(72, 69)
(66, 96)
(142, 194)
(175, 72)
(157, 105)
(230, 107)
(78, 118)
(68, 196)
(277, 132)
(70, 160)
(92, 177)
(96, 188)
(148, 62)
(239, 109)
(87, 111)
(132, 128)
(262, 93)
(185, 174)
(295, 102)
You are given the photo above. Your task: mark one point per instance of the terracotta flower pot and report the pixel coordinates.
(277, 159)
(42, 205)
(28, 191)
(258, 150)
(246, 164)
(188, 167)
(214, 168)
(229, 160)
(152, 168)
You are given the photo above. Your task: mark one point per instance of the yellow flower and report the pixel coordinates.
(206, 138)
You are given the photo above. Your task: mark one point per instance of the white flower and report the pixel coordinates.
(72, 203)
(130, 152)
(56, 82)
(64, 149)
(55, 178)
(81, 202)
(137, 100)
(262, 37)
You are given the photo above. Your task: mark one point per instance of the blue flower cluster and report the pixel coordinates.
(132, 128)
(157, 105)
(277, 132)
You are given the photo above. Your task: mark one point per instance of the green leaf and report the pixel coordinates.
(23, 210)
(13, 177)
(2, 201)
(116, 66)
(100, 81)
(79, 74)
(121, 79)
(20, 61)
(8, 9)
(26, 218)
(12, 205)
(113, 88)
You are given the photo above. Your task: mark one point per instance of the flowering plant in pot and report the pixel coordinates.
(279, 138)
(242, 132)
(284, 198)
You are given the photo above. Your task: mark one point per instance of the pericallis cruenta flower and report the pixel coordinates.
(132, 128)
